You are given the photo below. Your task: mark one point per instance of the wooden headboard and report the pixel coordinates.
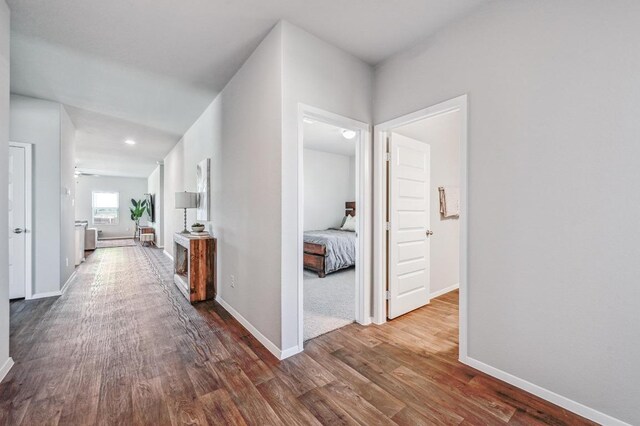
(350, 208)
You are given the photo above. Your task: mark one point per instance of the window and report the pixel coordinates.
(105, 208)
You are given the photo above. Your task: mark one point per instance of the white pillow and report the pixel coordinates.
(349, 224)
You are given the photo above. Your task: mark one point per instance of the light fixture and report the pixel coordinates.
(348, 134)
(130, 142)
(308, 120)
(186, 200)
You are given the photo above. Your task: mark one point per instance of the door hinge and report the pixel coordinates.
(387, 156)
(387, 226)
(387, 295)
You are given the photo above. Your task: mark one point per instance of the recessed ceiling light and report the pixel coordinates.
(308, 120)
(348, 134)
(130, 142)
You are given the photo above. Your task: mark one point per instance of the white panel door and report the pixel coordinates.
(409, 182)
(17, 219)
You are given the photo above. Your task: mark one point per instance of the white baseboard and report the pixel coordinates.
(444, 291)
(545, 394)
(128, 237)
(167, 254)
(5, 368)
(290, 352)
(271, 347)
(47, 294)
(66, 284)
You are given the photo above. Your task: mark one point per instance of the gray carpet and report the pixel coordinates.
(329, 302)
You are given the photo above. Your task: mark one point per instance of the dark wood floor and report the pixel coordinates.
(123, 347)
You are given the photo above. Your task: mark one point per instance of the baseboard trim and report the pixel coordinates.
(47, 294)
(444, 291)
(168, 255)
(271, 347)
(545, 394)
(290, 352)
(66, 284)
(4, 370)
(116, 238)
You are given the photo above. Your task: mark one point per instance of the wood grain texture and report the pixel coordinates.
(202, 252)
(122, 346)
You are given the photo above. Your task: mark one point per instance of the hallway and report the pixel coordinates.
(122, 346)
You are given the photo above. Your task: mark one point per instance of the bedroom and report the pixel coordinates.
(329, 227)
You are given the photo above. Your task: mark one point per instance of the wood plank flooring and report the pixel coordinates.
(122, 346)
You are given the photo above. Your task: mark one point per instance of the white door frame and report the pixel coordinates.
(28, 215)
(380, 209)
(363, 206)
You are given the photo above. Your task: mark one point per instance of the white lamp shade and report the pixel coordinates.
(186, 200)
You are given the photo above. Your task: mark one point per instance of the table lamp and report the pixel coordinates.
(186, 200)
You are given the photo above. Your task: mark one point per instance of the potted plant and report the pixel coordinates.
(197, 227)
(138, 209)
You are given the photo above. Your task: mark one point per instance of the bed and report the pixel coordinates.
(330, 250)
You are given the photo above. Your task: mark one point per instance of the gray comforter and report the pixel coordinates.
(341, 247)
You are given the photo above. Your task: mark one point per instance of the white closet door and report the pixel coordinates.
(17, 218)
(409, 182)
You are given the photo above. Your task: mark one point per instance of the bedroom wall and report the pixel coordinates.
(352, 178)
(67, 194)
(442, 133)
(128, 188)
(553, 166)
(5, 361)
(37, 122)
(321, 75)
(155, 186)
(328, 184)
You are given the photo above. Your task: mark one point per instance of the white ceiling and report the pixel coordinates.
(327, 138)
(100, 147)
(159, 64)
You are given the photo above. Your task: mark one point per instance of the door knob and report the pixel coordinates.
(18, 230)
(429, 233)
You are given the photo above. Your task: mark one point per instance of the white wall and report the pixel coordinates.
(254, 155)
(4, 153)
(155, 186)
(37, 121)
(250, 169)
(173, 182)
(442, 133)
(554, 100)
(240, 132)
(317, 74)
(202, 140)
(67, 196)
(328, 184)
(128, 188)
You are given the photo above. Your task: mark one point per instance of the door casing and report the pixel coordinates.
(363, 202)
(380, 239)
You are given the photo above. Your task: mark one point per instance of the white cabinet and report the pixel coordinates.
(79, 257)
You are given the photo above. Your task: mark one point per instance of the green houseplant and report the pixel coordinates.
(138, 209)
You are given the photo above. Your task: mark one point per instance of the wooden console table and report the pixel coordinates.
(194, 264)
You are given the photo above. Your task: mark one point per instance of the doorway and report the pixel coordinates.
(420, 219)
(19, 215)
(334, 241)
